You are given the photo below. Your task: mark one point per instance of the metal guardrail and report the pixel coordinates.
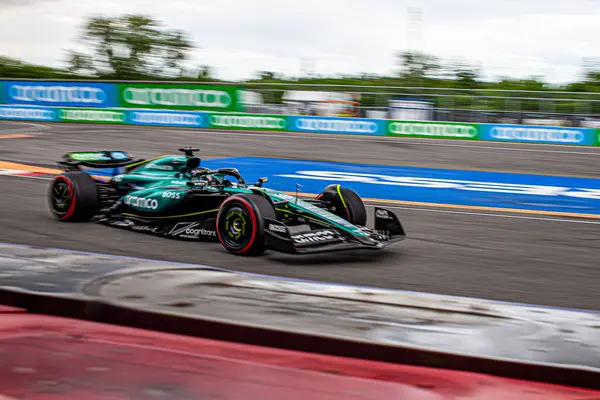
(450, 104)
(308, 85)
(295, 85)
(464, 105)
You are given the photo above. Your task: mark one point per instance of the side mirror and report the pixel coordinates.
(261, 181)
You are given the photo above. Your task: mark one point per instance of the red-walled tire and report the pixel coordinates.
(73, 197)
(241, 223)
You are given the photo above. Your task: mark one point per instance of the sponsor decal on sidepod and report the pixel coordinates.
(200, 231)
(141, 202)
(188, 230)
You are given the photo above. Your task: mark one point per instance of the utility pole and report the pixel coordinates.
(415, 28)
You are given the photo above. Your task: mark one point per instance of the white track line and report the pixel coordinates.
(36, 127)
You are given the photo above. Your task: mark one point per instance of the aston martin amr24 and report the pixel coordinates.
(173, 196)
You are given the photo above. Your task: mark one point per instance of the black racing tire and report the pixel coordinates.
(73, 197)
(346, 204)
(240, 224)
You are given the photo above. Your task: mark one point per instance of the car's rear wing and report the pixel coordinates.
(97, 159)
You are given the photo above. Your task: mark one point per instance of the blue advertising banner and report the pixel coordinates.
(60, 94)
(356, 126)
(168, 118)
(537, 134)
(2, 101)
(13, 113)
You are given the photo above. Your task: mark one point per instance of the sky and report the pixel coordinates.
(516, 38)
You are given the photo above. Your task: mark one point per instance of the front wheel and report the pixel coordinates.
(345, 203)
(241, 223)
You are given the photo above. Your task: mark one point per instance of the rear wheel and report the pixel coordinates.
(345, 203)
(73, 197)
(241, 223)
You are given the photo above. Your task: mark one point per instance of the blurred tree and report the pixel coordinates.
(78, 63)
(417, 66)
(461, 73)
(130, 46)
(13, 68)
(592, 76)
(137, 47)
(172, 49)
(267, 75)
(205, 73)
(466, 78)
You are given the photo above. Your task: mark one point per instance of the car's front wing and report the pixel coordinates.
(282, 238)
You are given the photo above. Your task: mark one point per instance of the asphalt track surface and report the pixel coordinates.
(502, 256)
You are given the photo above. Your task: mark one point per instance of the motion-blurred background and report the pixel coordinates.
(504, 61)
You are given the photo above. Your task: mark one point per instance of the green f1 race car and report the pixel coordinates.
(173, 196)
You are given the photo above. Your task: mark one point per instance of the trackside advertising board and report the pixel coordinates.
(17, 113)
(168, 118)
(155, 114)
(538, 134)
(92, 115)
(262, 122)
(433, 130)
(348, 126)
(178, 97)
(59, 94)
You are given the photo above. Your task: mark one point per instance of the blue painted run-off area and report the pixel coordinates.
(426, 185)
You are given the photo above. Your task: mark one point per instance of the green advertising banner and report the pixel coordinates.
(262, 122)
(178, 97)
(433, 130)
(92, 115)
(597, 137)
